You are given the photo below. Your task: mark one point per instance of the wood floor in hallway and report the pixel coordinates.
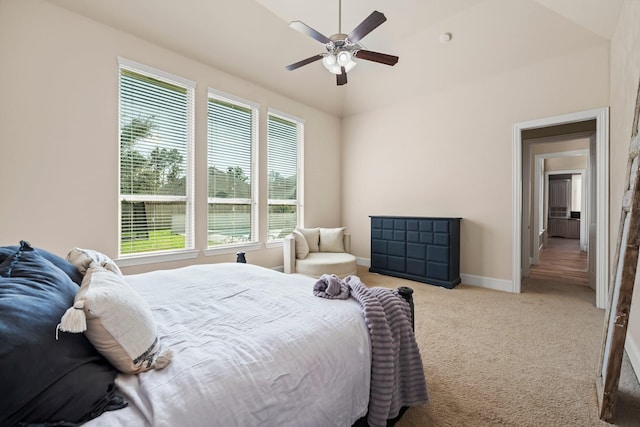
(562, 261)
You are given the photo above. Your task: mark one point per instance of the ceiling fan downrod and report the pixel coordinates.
(339, 16)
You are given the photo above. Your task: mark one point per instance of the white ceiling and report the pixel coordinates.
(252, 40)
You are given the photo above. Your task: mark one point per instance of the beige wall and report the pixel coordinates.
(450, 153)
(625, 74)
(59, 141)
(565, 163)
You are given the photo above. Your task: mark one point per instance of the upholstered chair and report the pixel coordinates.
(317, 251)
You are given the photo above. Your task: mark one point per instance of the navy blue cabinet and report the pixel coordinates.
(417, 248)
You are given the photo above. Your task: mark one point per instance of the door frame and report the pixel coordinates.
(601, 116)
(540, 193)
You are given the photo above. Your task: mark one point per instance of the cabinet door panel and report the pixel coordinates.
(573, 229)
(396, 263)
(426, 237)
(436, 253)
(379, 246)
(441, 239)
(413, 236)
(379, 261)
(416, 250)
(557, 227)
(396, 248)
(437, 270)
(417, 267)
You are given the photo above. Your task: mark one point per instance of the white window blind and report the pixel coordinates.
(231, 140)
(156, 122)
(284, 145)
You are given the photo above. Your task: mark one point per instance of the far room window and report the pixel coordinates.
(156, 139)
(231, 141)
(284, 154)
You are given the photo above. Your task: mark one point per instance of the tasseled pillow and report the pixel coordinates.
(83, 258)
(117, 321)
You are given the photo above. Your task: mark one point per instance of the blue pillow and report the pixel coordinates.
(44, 380)
(61, 263)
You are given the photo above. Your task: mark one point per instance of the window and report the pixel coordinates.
(156, 139)
(231, 140)
(284, 151)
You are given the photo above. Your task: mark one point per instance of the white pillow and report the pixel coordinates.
(83, 258)
(302, 247)
(332, 239)
(118, 322)
(312, 235)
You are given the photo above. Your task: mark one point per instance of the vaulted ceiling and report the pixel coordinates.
(252, 40)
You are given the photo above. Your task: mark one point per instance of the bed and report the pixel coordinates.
(250, 347)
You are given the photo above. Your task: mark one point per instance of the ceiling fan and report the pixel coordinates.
(342, 48)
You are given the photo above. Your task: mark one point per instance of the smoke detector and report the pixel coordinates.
(445, 38)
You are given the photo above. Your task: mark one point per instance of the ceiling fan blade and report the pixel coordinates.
(303, 62)
(382, 58)
(341, 79)
(305, 29)
(372, 22)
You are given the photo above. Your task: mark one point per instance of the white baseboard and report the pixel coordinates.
(365, 262)
(487, 282)
(467, 279)
(633, 351)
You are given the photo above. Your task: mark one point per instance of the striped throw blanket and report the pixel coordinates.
(397, 375)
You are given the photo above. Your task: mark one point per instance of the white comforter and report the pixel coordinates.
(251, 347)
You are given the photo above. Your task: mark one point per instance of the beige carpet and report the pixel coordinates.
(498, 359)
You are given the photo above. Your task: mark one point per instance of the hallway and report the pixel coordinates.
(562, 261)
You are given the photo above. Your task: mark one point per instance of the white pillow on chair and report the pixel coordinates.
(302, 247)
(332, 239)
(312, 235)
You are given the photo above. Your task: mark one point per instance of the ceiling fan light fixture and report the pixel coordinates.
(330, 62)
(345, 59)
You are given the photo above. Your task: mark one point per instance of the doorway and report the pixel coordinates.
(598, 223)
(560, 209)
(558, 204)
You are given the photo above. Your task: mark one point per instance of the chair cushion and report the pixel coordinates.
(318, 263)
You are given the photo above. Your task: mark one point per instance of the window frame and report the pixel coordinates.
(254, 242)
(189, 251)
(299, 201)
